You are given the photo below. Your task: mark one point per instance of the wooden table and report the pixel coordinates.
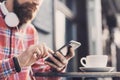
(79, 74)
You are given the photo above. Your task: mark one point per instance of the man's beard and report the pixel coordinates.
(24, 11)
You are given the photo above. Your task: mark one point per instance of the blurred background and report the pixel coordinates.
(94, 23)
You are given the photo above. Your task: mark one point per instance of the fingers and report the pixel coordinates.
(71, 54)
(36, 56)
(58, 61)
(37, 53)
(61, 58)
(50, 51)
(41, 51)
(54, 66)
(45, 50)
(34, 53)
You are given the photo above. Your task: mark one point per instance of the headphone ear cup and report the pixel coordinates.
(11, 19)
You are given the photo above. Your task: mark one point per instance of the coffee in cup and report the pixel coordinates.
(94, 61)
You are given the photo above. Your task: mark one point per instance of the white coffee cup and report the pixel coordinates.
(94, 61)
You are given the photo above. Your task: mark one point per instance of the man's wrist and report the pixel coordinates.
(19, 61)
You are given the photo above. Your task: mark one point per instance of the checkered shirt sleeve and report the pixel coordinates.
(7, 68)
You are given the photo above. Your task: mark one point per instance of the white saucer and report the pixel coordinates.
(96, 69)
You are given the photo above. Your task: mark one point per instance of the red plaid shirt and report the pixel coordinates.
(12, 44)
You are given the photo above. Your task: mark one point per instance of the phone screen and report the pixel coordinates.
(64, 49)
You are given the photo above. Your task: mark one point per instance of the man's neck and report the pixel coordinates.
(9, 5)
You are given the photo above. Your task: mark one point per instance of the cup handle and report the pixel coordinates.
(82, 61)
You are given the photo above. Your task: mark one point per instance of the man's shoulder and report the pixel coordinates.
(29, 28)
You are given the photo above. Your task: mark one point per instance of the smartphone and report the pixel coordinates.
(64, 50)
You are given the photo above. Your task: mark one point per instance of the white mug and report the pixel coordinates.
(94, 61)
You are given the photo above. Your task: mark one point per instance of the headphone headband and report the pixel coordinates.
(3, 8)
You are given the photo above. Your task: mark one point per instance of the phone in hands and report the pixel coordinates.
(64, 50)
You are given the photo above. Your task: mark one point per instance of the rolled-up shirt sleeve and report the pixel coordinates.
(6, 68)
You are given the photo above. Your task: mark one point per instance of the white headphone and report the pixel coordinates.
(11, 18)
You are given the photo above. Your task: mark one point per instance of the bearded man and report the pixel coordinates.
(20, 52)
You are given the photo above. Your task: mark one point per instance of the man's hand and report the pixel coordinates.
(60, 61)
(32, 54)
